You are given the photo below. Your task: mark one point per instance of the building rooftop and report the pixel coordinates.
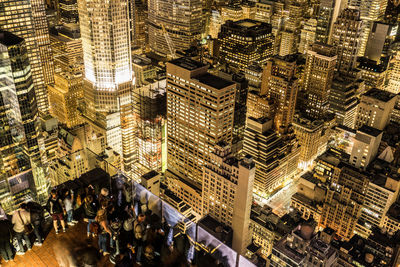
(381, 95)
(369, 130)
(187, 63)
(149, 175)
(248, 25)
(8, 39)
(213, 81)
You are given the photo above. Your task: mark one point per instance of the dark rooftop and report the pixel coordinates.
(213, 81)
(381, 95)
(187, 63)
(149, 175)
(8, 39)
(370, 130)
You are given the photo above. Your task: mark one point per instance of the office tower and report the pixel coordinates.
(239, 118)
(287, 43)
(391, 220)
(264, 11)
(200, 112)
(372, 74)
(309, 134)
(253, 75)
(365, 148)
(276, 156)
(19, 133)
(68, 10)
(343, 101)
(175, 19)
(49, 131)
(302, 247)
(280, 85)
(245, 42)
(67, 89)
(27, 19)
(138, 16)
(380, 37)
(231, 12)
(382, 192)
(108, 73)
(307, 35)
(392, 82)
(374, 109)
(318, 76)
(346, 36)
(214, 24)
(342, 207)
(227, 193)
(327, 15)
(267, 228)
(249, 10)
(370, 11)
(150, 114)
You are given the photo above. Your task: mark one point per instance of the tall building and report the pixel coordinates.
(276, 156)
(68, 10)
(108, 73)
(392, 82)
(344, 199)
(307, 35)
(200, 111)
(375, 108)
(227, 193)
(245, 42)
(27, 19)
(327, 15)
(138, 12)
(343, 101)
(19, 147)
(372, 74)
(380, 37)
(280, 86)
(182, 21)
(346, 36)
(318, 76)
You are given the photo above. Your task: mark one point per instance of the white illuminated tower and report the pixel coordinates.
(108, 72)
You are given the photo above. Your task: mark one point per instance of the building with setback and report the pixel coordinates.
(245, 42)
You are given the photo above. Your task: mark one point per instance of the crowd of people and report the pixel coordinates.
(130, 231)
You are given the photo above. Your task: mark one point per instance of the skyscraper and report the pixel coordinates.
(108, 72)
(280, 85)
(318, 76)
(346, 39)
(200, 113)
(27, 19)
(327, 15)
(19, 146)
(182, 20)
(245, 42)
(68, 11)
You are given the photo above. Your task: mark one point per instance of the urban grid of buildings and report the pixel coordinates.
(274, 123)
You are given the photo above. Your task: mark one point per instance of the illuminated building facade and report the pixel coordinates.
(374, 109)
(280, 86)
(68, 11)
(346, 39)
(276, 159)
(318, 76)
(19, 147)
(138, 12)
(327, 15)
(245, 42)
(227, 193)
(182, 20)
(27, 19)
(105, 32)
(372, 74)
(307, 35)
(392, 83)
(200, 112)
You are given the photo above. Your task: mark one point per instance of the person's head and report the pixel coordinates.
(89, 199)
(53, 193)
(23, 206)
(104, 192)
(141, 217)
(104, 204)
(67, 192)
(149, 252)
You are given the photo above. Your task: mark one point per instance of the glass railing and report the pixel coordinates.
(198, 242)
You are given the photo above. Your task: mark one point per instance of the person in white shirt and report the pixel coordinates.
(20, 218)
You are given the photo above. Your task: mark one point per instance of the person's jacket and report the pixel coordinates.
(20, 218)
(90, 210)
(5, 229)
(54, 206)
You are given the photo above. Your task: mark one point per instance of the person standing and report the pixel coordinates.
(139, 231)
(89, 211)
(36, 212)
(5, 240)
(56, 210)
(105, 230)
(20, 218)
(69, 208)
